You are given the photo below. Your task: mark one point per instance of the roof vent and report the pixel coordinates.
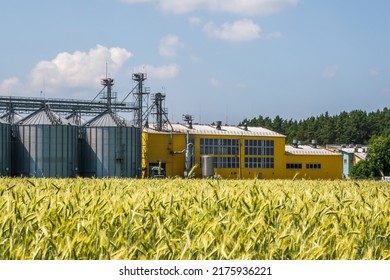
(245, 127)
(295, 143)
(314, 143)
(219, 123)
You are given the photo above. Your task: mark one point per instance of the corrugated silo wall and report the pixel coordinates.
(5, 155)
(45, 151)
(110, 152)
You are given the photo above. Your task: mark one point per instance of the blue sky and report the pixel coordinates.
(215, 59)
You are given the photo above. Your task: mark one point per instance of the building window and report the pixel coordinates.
(259, 162)
(313, 166)
(226, 162)
(294, 166)
(259, 147)
(215, 146)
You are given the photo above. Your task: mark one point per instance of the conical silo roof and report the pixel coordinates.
(43, 116)
(107, 119)
(11, 117)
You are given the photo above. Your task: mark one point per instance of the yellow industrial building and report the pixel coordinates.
(235, 152)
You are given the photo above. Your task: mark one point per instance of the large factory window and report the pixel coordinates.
(259, 162)
(215, 146)
(259, 147)
(227, 162)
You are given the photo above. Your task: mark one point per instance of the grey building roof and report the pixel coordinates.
(308, 150)
(361, 155)
(357, 150)
(213, 130)
(360, 152)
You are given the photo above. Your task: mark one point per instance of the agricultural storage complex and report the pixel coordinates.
(54, 140)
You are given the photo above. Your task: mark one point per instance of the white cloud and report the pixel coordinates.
(243, 7)
(215, 83)
(254, 7)
(330, 71)
(77, 71)
(169, 46)
(182, 7)
(169, 71)
(11, 86)
(195, 21)
(242, 30)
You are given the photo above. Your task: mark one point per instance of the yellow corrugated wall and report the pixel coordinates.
(165, 148)
(331, 166)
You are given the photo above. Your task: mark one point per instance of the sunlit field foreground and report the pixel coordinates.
(193, 219)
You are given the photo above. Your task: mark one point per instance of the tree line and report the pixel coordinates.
(354, 127)
(377, 163)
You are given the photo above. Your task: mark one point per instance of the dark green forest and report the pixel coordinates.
(355, 127)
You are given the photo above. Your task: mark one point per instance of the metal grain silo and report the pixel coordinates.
(5, 155)
(11, 117)
(45, 146)
(110, 147)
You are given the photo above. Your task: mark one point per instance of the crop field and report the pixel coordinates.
(193, 219)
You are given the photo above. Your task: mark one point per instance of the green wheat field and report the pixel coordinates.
(177, 219)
